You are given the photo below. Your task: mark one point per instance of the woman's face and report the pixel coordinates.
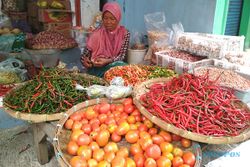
(109, 21)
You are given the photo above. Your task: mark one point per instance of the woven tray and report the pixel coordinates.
(62, 135)
(36, 118)
(142, 88)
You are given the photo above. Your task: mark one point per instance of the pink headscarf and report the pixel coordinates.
(105, 43)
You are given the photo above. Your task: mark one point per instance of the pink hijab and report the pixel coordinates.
(105, 43)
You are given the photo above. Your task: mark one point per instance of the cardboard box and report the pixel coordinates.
(54, 15)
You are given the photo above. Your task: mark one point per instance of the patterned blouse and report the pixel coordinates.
(122, 54)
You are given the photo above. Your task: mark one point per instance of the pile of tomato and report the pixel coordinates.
(118, 135)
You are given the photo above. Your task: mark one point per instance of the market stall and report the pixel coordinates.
(193, 96)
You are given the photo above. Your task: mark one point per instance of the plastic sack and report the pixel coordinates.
(239, 58)
(118, 81)
(6, 42)
(157, 31)
(11, 71)
(137, 41)
(116, 92)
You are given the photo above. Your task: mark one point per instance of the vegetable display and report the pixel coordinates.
(134, 74)
(117, 134)
(52, 91)
(198, 105)
(183, 55)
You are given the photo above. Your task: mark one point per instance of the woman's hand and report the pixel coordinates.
(86, 62)
(100, 62)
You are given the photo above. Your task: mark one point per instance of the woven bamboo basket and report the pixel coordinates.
(62, 135)
(36, 118)
(142, 88)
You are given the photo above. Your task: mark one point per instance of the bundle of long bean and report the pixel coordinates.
(52, 91)
(198, 105)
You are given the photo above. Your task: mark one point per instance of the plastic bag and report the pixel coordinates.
(157, 31)
(137, 41)
(116, 92)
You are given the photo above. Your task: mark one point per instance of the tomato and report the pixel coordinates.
(118, 161)
(148, 123)
(98, 154)
(109, 121)
(129, 109)
(94, 146)
(144, 143)
(90, 113)
(135, 149)
(144, 135)
(83, 139)
(169, 155)
(95, 127)
(166, 147)
(102, 118)
(133, 127)
(75, 134)
(131, 119)
(115, 137)
(189, 158)
(103, 127)
(94, 121)
(72, 148)
(177, 152)
(112, 107)
(92, 163)
(76, 116)
(104, 164)
(139, 160)
(97, 107)
(136, 112)
(77, 161)
(111, 147)
(122, 128)
(123, 152)
(138, 118)
(184, 165)
(186, 142)
(142, 127)
(127, 101)
(93, 135)
(166, 135)
(132, 136)
(130, 162)
(76, 125)
(153, 151)
(104, 108)
(150, 162)
(177, 161)
(68, 124)
(109, 156)
(157, 139)
(163, 162)
(176, 137)
(102, 137)
(152, 131)
(111, 128)
(85, 152)
(84, 121)
(119, 108)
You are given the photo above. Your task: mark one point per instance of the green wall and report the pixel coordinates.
(245, 22)
(220, 17)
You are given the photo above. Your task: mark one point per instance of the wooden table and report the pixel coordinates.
(41, 131)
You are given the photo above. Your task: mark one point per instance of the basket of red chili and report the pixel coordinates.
(194, 107)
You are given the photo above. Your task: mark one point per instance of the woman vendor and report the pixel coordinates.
(107, 46)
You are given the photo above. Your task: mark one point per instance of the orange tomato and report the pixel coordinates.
(139, 160)
(104, 164)
(130, 162)
(111, 147)
(144, 135)
(189, 158)
(112, 127)
(102, 118)
(157, 139)
(163, 162)
(118, 161)
(129, 109)
(169, 155)
(166, 135)
(132, 136)
(176, 137)
(150, 162)
(153, 151)
(68, 124)
(112, 107)
(152, 131)
(76, 125)
(115, 137)
(166, 147)
(144, 143)
(177, 161)
(122, 128)
(87, 128)
(177, 151)
(186, 142)
(76, 116)
(127, 101)
(92, 163)
(85, 152)
(94, 146)
(102, 137)
(119, 108)
(72, 148)
(97, 107)
(135, 149)
(131, 119)
(143, 127)
(109, 156)
(148, 123)
(123, 152)
(98, 154)
(90, 113)
(83, 139)
(77, 161)
(104, 108)
(75, 134)
(93, 135)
